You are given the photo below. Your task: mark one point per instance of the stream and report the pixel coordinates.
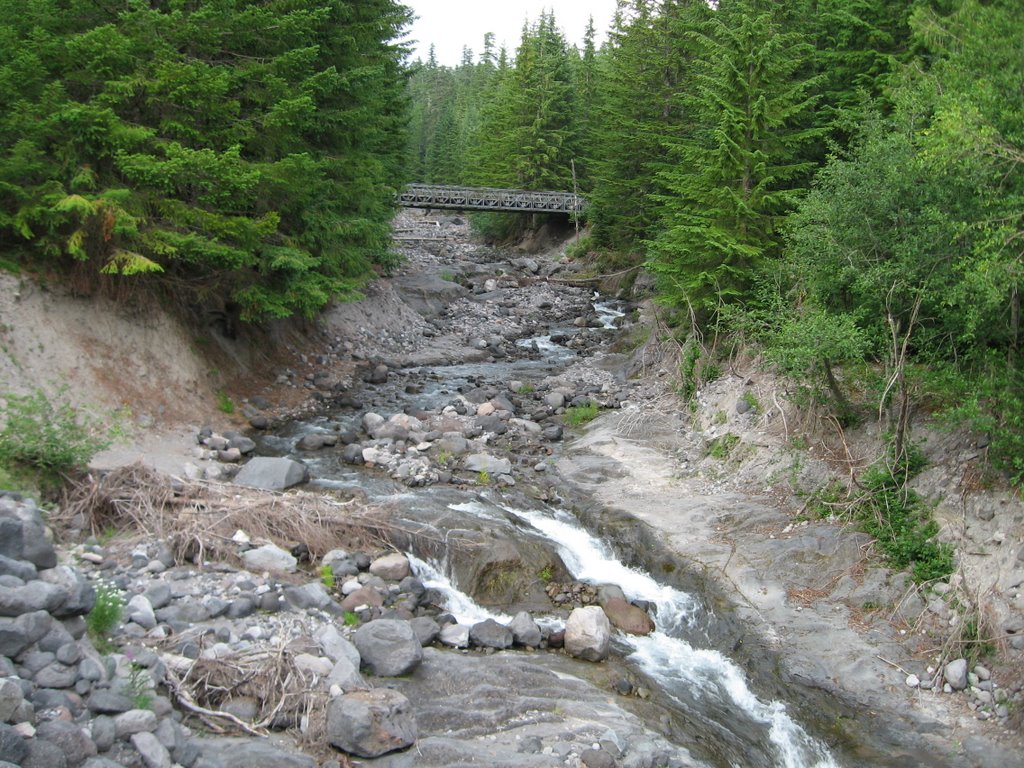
(717, 716)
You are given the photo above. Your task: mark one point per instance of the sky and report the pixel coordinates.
(452, 24)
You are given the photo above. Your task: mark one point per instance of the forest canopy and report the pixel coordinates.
(237, 153)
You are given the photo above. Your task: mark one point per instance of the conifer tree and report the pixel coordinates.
(644, 70)
(738, 172)
(246, 152)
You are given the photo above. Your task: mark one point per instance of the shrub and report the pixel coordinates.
(581, 414)
(327, 576)
(50, 437)
(224, 402)
(105, 614)
(721, 447)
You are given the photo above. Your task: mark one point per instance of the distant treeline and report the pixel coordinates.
(837, 183)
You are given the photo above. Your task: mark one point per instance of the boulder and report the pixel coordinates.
(70, 737)
(425, 629)
(352, 454)
(272, 474)
(345, 675)
(454, 636)
(525, 630)
(153, 753)
(335, 646)
(388, 647)
(490, 634)
(269, 557)
(30, 598)
(371, 723)
(392, 567)
(484, 462)
(12, 746)
(588, 633)
(367, 595)
(81, 595)
(627, 617)
(311, 595)
(555, 400)
(315, 441)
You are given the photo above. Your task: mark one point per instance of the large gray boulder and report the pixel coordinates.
(628, 617)
(490, 634)
(269, 557)
(30, 598)
(388, 647)
(371, 723)
(272, 473)
(484, 462)
(391, 567)
(525, 630)
(430, 295)
(588, 633)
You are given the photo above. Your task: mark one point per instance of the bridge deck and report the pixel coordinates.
(489, 199)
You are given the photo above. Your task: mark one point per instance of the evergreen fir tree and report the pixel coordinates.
(738, 172)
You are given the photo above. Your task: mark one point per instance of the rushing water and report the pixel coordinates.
(702, 682)
(704, 687)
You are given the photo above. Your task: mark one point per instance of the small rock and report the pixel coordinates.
(955, 674)
(154, 754)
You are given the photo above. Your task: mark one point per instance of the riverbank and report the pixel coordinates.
(456, 305)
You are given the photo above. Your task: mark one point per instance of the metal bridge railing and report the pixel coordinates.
(489, 199)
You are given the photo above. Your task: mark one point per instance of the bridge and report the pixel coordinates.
(490, 199)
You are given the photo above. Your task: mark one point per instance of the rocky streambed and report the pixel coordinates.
(529, 597)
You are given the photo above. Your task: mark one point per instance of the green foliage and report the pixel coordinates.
(578, 415)
(105, 615)
(828, 501)
(327, 576)
(230, 152)
(140, 684)
(579, 248)
(351, 619)
(50, 437)
(751, 400)
(899, 519)
(695, 369)
(526, 389)
(546, 574)
(738, 169)
(483, 477)
(722, 446)
(224, 402)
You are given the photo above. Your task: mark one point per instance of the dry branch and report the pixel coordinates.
(198, 521)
